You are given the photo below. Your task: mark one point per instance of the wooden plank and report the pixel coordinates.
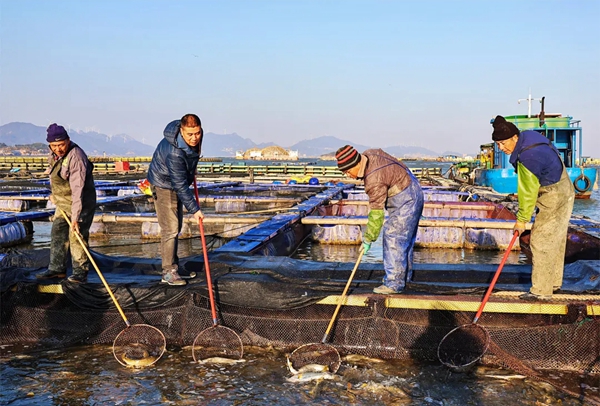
(424, 222)
(403, 302)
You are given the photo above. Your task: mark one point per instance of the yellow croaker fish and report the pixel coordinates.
(310, 376)
(307, 368)
(138, 363)
(220, 360)
(137, 356)
(506, 377)
(361, 359)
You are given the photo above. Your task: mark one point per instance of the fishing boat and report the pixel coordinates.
(564, 132)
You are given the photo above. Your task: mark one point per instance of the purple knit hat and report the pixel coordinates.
(56, 133)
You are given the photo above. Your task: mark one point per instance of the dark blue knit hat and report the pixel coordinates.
(503, 129)
(56, 133)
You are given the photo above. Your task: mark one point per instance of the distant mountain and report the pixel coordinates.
(213, 145)
(322, 145)
(93, 143)
(224, 145)
(410, 152)
(327, 145)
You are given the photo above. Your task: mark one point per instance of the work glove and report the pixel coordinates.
(366, 246)
(519, 227)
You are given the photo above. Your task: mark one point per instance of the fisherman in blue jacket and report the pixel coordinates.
(172, 171)
(542, 180)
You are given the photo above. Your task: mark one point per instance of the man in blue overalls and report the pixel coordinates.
(390, 186)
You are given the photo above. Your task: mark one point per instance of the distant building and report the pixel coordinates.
(272, 153)
(449, 158)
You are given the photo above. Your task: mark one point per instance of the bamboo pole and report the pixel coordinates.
(250, 200)
(24, 198)
(430, 205)
(202, 199)
(424, 222)
(208, 219)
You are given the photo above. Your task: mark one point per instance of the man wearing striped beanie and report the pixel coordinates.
(390, 186)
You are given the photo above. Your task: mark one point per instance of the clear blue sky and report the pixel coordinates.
(378, 73)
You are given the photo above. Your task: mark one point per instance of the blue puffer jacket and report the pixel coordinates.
(174, 164)
(539, 156)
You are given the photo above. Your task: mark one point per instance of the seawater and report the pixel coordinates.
(90, 375)
(588, 207)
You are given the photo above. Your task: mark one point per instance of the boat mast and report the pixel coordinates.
(529, 100)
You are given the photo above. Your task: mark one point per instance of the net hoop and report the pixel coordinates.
(217, 341)
(315, 353)
(471, 336)
(139, 346)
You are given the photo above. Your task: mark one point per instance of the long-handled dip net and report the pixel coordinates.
(464, 345)
(217, 340)
(316, 355)
(137, 345)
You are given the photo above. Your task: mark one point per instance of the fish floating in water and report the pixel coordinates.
(307, 368)
(506, 377)
(361, 359)
(220, 360)
(136, 355)
(380, 390)
(310, 376)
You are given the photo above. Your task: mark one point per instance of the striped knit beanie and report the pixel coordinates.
(347, 158)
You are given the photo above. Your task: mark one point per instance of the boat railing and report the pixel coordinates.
(574, 123)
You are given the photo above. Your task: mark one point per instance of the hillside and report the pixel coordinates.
(214, 145)
(92, 142)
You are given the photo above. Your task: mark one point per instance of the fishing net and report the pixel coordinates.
(217, 341)
(323, 354)
(317, 353)
(463, 346)
(139, 345)
(532, 344)
(535, 340)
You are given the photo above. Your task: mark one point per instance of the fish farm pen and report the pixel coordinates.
(271, 298)
(12, 167)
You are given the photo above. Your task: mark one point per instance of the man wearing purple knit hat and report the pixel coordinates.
(73, 192)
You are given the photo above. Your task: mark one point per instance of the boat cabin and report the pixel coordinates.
(564, 132)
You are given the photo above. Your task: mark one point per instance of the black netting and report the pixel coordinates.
(139, 345)
(531, 344)
(542, 341)
(217, 341)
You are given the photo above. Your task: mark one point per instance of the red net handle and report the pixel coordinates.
(496, 276)
(206, 265)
